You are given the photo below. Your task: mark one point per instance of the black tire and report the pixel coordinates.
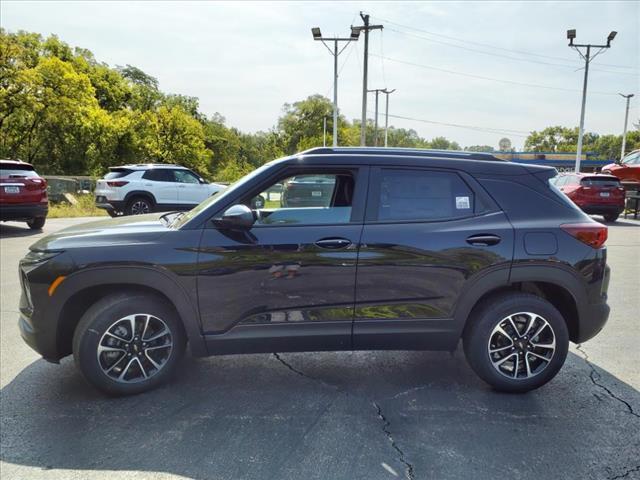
(138, 206)
(36, 223)
(480, 330)
(612, 217)
(101, 317)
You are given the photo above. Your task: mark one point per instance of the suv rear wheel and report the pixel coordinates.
(36, 223)
(516, 342)
(127, 344)
(139, 206)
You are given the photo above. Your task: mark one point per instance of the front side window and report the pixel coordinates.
(306, 199)
(185, 176)
(413, 195)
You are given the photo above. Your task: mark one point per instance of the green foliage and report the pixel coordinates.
(480, 148)
(564, 139)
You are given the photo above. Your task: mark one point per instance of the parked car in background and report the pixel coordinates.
(416, 250)
(594, 194)
(628, 170)
(145, 188)
(23, 194)
(308, 191)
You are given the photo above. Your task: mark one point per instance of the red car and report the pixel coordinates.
(594, 194)
(23, 194)
(628, 170)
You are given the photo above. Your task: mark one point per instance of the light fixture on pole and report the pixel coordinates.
(571, 35)
(626, 118)
(386, 114)
(317, 35)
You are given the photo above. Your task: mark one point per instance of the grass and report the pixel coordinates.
(86, 207)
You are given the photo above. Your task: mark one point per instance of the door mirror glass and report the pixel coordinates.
(236, 217)
(203, 181)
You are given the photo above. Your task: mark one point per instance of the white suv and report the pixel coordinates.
(137, 189)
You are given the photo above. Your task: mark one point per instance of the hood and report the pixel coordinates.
(609, 166)
(136, 229)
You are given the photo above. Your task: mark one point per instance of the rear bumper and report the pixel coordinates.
(602, 209)
(109, 205)
(23, 212)
(594, 317)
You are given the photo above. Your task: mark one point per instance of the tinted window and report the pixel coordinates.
(158, 175)
(632, 159)
(423, 195)
(309, 199)
(117, 173)
(17, 171)
(600, 182)
(185, 176)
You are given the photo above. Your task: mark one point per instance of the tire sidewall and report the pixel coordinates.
(477, 339)
(100, 317)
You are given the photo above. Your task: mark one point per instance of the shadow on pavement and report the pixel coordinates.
(325, 416)
(17, 230)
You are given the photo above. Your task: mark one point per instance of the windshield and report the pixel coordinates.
(220, 196)
(632, 159)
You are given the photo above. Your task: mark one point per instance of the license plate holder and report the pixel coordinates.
(12, 189)
(316, 193)
(605, 194)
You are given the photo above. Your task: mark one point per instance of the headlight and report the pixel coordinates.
(36, 256)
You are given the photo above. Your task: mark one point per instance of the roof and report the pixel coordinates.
(14, 162)
(145, 166)
(413, 152)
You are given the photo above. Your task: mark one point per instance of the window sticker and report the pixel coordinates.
(462, 203)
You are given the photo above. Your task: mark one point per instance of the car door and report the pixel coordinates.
(428, 235)
(160, 182)
(286, 284)
(190, 190)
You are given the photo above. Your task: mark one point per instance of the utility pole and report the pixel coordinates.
(317, 35)
(365, 28)
(386, 113)
(375, 131)
(324, 131)
(626, 117)
(571, 35)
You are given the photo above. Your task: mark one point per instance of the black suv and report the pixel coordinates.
(415, 250)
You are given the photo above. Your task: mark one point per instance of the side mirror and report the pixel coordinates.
(203, 181)
(236, 217)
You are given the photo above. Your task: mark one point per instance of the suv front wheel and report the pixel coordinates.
(516, 342)
(128, 344)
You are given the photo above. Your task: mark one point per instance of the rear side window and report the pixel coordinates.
(159, 175)
(117, 173)
(423, 195)
(600, 182)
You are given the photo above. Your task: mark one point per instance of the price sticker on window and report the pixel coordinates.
(463, 203)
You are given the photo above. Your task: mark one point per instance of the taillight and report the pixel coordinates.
(119, 183)
(593, 234)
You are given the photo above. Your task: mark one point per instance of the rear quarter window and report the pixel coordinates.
(117, 173)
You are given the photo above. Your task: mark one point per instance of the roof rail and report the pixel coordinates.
(414, 152)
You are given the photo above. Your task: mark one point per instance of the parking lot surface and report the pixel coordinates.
(349, 415)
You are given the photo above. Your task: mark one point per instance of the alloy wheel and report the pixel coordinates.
(135, 348)
(139, 207)
(521, 345)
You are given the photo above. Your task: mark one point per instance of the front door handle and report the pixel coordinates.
(483, 239)
(333, 243)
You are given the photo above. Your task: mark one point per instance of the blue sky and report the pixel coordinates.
(246, 59)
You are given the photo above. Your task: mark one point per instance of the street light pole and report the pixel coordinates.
(317, 35)
(386, 114)
(571, 35)
(626, 118)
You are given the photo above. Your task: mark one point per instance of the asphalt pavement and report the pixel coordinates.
(348, 415)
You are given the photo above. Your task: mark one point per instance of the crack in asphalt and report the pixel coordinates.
(626, 473)
(595, 377)
(302, 374)
(385, 428)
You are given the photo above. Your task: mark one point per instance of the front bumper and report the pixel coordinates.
(23, 212)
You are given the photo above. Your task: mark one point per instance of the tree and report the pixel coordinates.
(480, 148)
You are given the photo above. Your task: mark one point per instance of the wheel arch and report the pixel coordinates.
(558, 286)
(140, 193)
(81, 290)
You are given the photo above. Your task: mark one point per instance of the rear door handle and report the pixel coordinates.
(483, 239)
(333, 243)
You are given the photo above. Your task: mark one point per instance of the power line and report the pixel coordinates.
(475, 50)
(487, 45)
(501, 131)
(492, 79)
